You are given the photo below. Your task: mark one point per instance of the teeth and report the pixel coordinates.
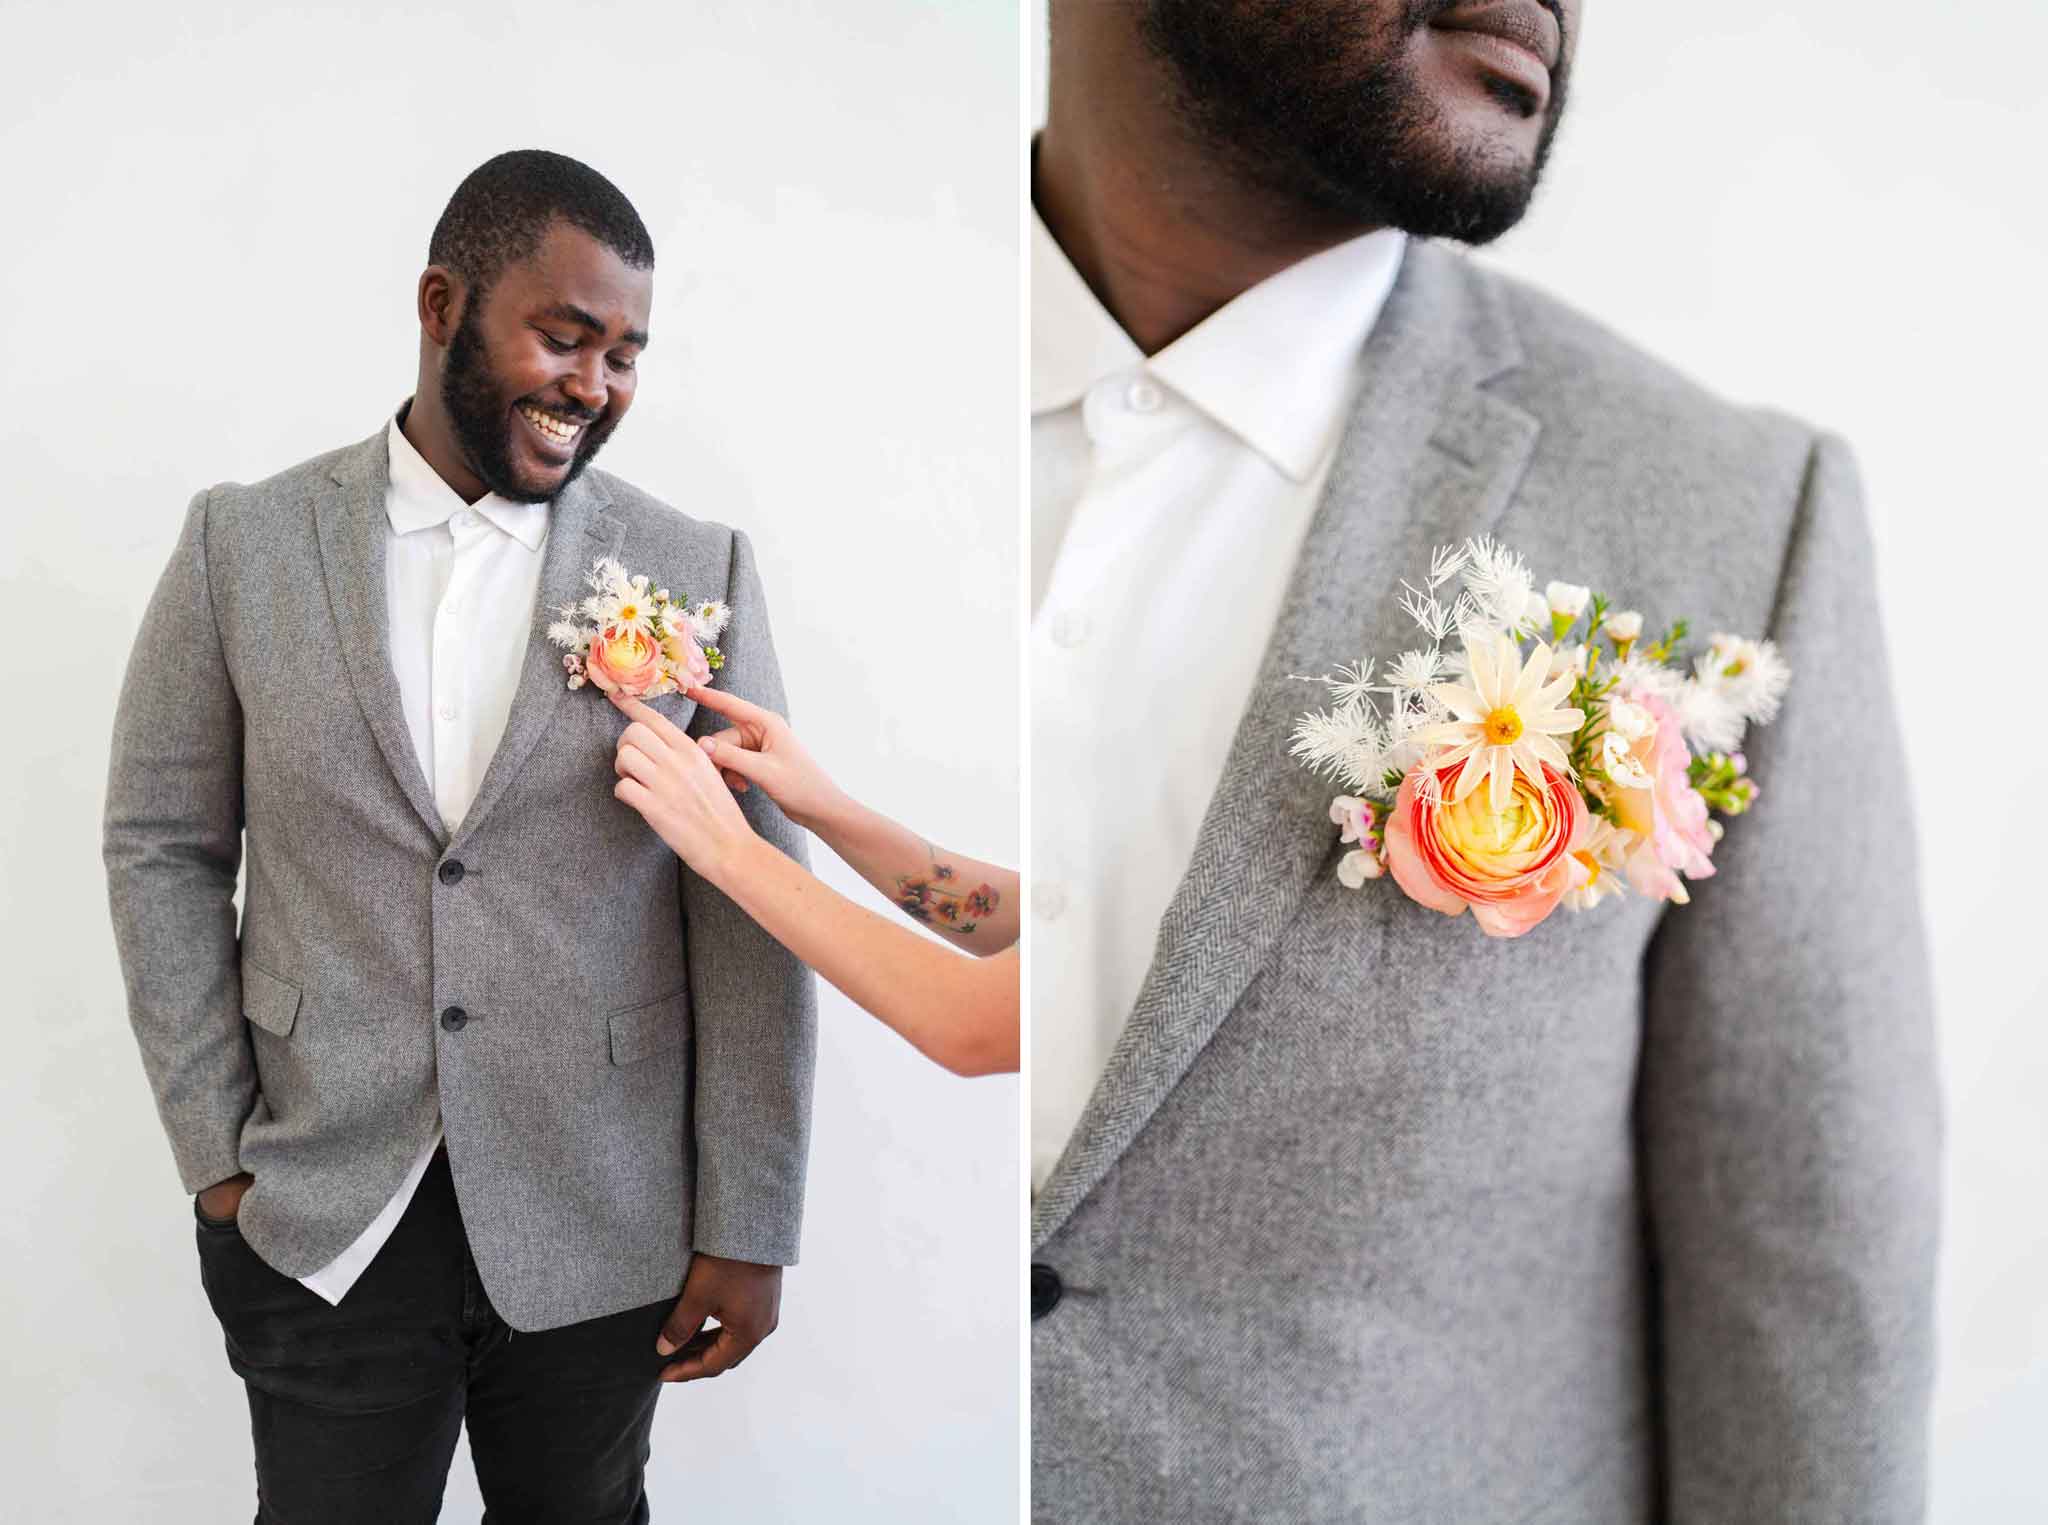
(549, 425)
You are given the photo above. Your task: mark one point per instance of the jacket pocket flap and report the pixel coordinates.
(642, 1030)
(268, 1001)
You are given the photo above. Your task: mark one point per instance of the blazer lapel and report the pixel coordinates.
(1427, 459)
(582, 526)
(350, 520)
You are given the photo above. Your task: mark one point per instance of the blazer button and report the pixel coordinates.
(1046, 1291)
(454, 1019)
(452, 871)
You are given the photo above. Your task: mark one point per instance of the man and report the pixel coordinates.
(1342, 1210)
(490, 1107)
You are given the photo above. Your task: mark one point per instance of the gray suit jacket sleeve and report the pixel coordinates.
(755, 1005)
(172, 844)
(1789, 1112)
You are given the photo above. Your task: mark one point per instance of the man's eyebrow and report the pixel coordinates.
(570, 313)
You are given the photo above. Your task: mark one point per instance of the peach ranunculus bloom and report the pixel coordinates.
(1664, 810)
(624, 660)
(1511, 868)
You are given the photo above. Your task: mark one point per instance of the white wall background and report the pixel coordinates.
(1833, 206)
(215, 221)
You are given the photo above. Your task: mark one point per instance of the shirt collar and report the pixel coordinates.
(419, 498)
(1273, 365)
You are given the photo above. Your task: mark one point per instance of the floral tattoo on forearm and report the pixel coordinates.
(937, 900)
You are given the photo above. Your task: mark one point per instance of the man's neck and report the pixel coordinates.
(428, 431)
(1163, 233)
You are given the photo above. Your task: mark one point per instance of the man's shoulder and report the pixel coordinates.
(293, 483)
(650, 518)
(1595, 389)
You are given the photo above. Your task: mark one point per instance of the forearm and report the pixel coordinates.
(972, 904)
(172, 845)
(961, 1013)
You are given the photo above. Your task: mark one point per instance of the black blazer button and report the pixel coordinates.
(454, 1019)
(452, 871)
(1046, 1291)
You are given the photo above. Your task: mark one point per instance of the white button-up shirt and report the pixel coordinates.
(460, 584)
(1170, 495)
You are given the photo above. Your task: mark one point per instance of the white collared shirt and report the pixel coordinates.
(460, 584)
(1169, 497)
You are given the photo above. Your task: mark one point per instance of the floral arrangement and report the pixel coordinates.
(1512, 782)
(630, 639)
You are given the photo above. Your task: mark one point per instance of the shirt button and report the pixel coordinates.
(452, 871)
(454, 1019)
(1069, 628)
(448, 712)
(462, 519)
(1048, 900)
(1143, 396)
(1046, 1291)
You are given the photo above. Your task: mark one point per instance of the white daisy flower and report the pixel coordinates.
(1507, 718)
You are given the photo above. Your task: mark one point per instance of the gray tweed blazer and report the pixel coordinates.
(630, 1080)
(1374, 1218)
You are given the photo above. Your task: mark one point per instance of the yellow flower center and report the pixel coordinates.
(1503, 727)
(629, 611)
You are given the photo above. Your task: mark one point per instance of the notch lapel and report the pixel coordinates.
(350, 523)
(1427, 459)
(582, 526)
(349, 519)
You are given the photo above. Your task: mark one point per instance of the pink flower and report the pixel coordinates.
(1667, 813)
(1511, 866)
(687, 658)
(624, 660)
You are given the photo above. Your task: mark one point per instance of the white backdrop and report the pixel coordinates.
(215, 222)
(1832, 206)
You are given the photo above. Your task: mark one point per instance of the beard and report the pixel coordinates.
(1316, 102)
(479, 412)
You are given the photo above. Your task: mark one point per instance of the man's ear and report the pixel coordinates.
(442, 294)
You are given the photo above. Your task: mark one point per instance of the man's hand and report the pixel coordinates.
(742, 1296)
(221, 1200)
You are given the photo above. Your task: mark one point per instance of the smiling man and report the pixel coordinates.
(1342, 1210)
(489, 1108)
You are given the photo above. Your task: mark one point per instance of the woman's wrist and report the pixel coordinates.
(833, 816)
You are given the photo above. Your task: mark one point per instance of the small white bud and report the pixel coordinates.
(1567, 599)
(1623, 625)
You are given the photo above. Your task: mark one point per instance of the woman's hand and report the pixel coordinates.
(761, 748)
(667, 777)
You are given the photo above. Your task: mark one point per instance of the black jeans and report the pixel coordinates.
(355, 1408)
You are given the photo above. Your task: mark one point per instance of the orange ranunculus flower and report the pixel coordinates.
(624, 659)
(1512, 867)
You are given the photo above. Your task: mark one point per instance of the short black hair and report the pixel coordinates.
(500, 214)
